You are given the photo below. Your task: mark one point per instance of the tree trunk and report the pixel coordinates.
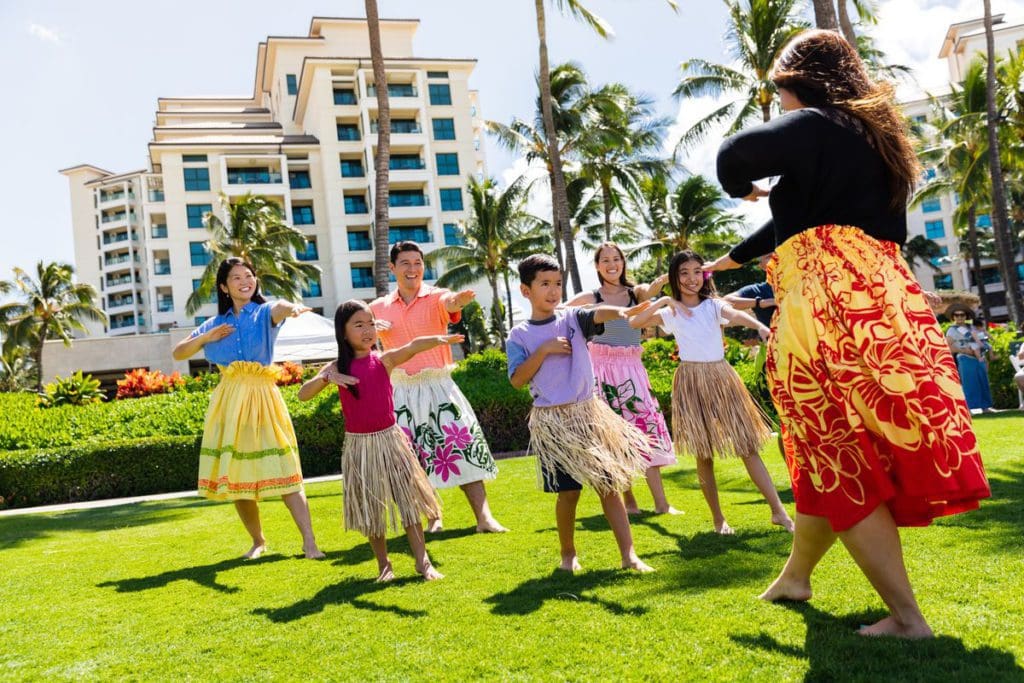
(972, 240)
(496, 318)
(846, 25)
(382, 160)
(825, 14)
(606, 205)
(508, 295)
(1000, 224)
(559, 199)
(39, 358)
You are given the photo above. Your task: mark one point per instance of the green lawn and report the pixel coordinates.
(154, 591)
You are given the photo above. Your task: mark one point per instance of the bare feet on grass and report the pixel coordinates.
(433, 526)
(722, 527)
(427, 571)
(312, 552)
(256, 551)
(784, 521)
(636, 564)
(668, 511)
(490, 526)
(570, 564)
(891, 627)
(784, 589)
(386, 574)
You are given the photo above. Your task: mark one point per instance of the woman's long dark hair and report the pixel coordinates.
(822, 69)
(224, 302)
(345, 351)
(623, 280)
(707, 290)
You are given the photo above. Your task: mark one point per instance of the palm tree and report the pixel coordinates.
(1000, 222)
(381, 225)
(758, 31)
(619, 145)
(920, 249)
(255, 232)
(49, 306)
(825, 14)
(692, 216)
(16, 369)
(498, 233)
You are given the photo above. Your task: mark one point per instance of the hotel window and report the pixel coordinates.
(934, 230)
(310, 253)
(415, 233)
(348, 131)
(447, 164)
(451, 199)
(943, 281)
(302, 215)
(293, 86)
(193, 158)
(440, 93)
(359, 240)
(984, 221)
(344, 96)
(196, 212)
(407, 198)
(444, 129)
(362, 276)
(198, 254)
(405, 162)
(943, 252)
(437, 74)
(931, 205)
(299, 180)
(312, 288)
(453, 235)
(352, 168)
(356, 204)
(197, 179)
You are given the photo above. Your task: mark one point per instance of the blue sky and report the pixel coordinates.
(83, 78)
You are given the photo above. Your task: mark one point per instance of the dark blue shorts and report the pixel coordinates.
(558, 480)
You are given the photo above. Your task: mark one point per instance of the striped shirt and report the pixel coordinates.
(617, 332)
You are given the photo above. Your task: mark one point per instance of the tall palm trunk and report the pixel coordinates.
(497, 319)
(606, 206)
(1000, 227)
(381, 227)
(558, 236)
(559, 198)
(846, 25)
(825, 14)
(508, 296)
(972, 240)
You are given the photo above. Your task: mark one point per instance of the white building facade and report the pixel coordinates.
(306, 138)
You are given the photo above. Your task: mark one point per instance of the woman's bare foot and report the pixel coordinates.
(668, 511)
(386, 574)
(256, 551)
(896, 629)
(637, 564)
(428, 572)
(570, 564)
(490, 526)
(433, 526)
(629, 502)
(722, 527)
(312, 552)
(786, 589)
(784, 521)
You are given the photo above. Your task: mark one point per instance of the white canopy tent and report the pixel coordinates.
(308, 337)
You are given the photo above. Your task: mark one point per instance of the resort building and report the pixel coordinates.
(934, 218)
(306, 138)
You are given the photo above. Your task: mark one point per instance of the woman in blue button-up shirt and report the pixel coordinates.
(249, 450)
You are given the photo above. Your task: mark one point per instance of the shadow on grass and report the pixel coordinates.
(531, 595)
(350, 593)
(205, 575)
(1000, 519)
(834, 651)
(19, 529)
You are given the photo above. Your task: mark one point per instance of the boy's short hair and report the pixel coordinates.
(531, 265)
(405, 245)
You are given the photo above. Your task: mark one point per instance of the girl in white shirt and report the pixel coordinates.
(713, 414)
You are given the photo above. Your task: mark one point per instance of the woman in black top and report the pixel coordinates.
(875, 428)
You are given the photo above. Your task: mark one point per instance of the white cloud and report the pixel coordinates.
(45, 33)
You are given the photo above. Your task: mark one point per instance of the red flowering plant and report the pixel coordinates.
(142, 382)
(289, 373)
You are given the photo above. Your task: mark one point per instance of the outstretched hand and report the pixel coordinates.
(724, 262)
(297, 310)
(464, 297)
(636, 310)
(381, 325)
(756, 193)
(452, 338)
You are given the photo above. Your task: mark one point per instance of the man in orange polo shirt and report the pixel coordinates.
(429, 406)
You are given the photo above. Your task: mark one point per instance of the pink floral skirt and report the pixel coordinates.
(622, 383)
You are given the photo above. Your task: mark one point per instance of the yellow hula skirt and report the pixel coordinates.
(383, 478)
(713, 414)
(590, 443)
(867, 391)
(249, 450)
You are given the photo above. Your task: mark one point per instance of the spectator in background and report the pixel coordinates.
(757, 298)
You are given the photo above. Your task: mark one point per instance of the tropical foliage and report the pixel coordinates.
(74, 390)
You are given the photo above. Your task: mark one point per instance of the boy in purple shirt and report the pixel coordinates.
(575, 436)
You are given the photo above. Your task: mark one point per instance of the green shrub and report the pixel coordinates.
(1000, 371)
(502, 410)
(74, 390)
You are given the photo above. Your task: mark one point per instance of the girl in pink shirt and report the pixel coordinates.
(381, 474)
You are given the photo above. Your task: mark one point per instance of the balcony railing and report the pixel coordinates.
(399, 127)
(119, 237)
(395, 90)
(123, 280)
(119, 323)
(114, 196)
(121, 301)
(408, 200)
(406, 164)
(111, 217)
(159, 231)
(113, 261)
(165, 305)
(161, 268)
(253, 177)
(156, 195)
(356, 207)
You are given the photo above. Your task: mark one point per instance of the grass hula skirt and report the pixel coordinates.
(713, 414)
(868, 395)
(589, 442)
(383, 478)
(249, 450)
